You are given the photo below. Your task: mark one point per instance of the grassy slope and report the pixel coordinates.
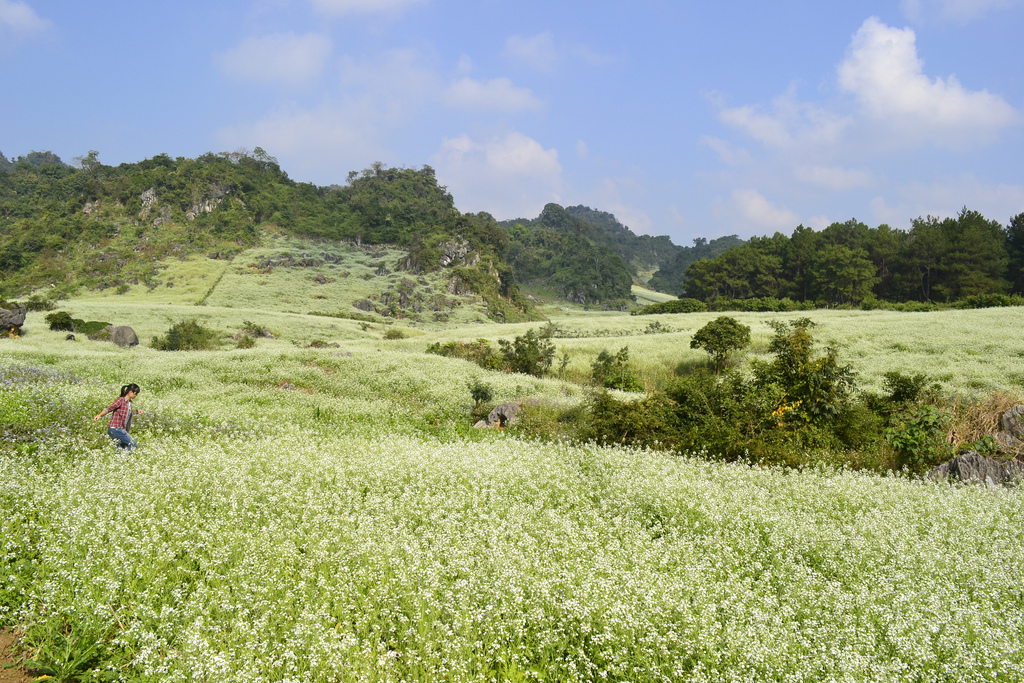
(350, 523)
(971, 352)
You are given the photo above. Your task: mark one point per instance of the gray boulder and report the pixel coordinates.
(972, 467)
(1011, 438)
(364, 305)
(12, 319)
(122, 335)
(502, 415)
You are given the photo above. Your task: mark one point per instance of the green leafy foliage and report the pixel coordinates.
(720, 337)
(102, 226)
(669, 278)
(60, 321)
(918, 439)
(612, 371)
(816, 389)
(788, 409)
(681, 305)
(480, 391)
(479, 351)
(186, 335)
(559, 252)
(967, 259)
(530, 354)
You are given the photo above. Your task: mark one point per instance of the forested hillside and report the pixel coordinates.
(941, 260)
(670, 277)
(641, 255)
(569, 257)
(102, 226)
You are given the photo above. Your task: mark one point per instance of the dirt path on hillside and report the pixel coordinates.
(9, 671)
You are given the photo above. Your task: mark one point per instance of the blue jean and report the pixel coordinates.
(122, 438)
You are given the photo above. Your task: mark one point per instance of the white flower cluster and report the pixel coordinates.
(306, 558)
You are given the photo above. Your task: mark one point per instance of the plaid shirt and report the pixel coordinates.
(120, 414)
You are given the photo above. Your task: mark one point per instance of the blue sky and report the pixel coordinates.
(682, 118)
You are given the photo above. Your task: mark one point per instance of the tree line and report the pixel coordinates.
(937, 260)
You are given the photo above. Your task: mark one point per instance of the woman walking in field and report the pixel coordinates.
(121, 417)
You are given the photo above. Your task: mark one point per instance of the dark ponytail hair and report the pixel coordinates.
(130, 387)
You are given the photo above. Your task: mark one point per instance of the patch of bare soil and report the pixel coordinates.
(10, 671)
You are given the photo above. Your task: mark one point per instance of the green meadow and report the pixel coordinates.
(319, 507)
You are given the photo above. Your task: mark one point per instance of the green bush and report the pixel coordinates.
(650, 422)
(60, 321)
(990, 301)
(548, 421)
(88, 327)
(186, 335)
(613, 371)
(39, 302)
(816, 389)
(394, 334)
(919, 439)
(253, 329)
(479, 352)
(245, 342)
(768, 304)
(681, 305)
(530, 354)
(479, 391)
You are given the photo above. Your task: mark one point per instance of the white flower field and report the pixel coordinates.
(355, 529)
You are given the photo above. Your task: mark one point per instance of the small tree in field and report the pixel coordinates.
(719, 338)
(530, 354)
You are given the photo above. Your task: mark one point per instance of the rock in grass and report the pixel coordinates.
(972, 467)
(12, 319)
(1011, 438)
(502, 415)
(122, 335)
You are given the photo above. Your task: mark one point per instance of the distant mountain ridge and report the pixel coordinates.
(639, 253)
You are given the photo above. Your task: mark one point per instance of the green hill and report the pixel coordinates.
(559, 254)
(653, 263)
(642, 253)
(101, 227)
(670, 277)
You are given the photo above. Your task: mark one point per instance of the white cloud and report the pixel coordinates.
(756, 211)
(319, 145)
(397, 85)
(727, 152)
(281, 58)
(959, 11)
(401, 73)
(465, 65)
(21, 18)
(884, 73)
(497, 94)
(834, 178)
(582, 151)
(341, 7)
(788, 123)
(613, 196)
(538, 52)
(947, 197)
(817, 222)
(511, 176)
